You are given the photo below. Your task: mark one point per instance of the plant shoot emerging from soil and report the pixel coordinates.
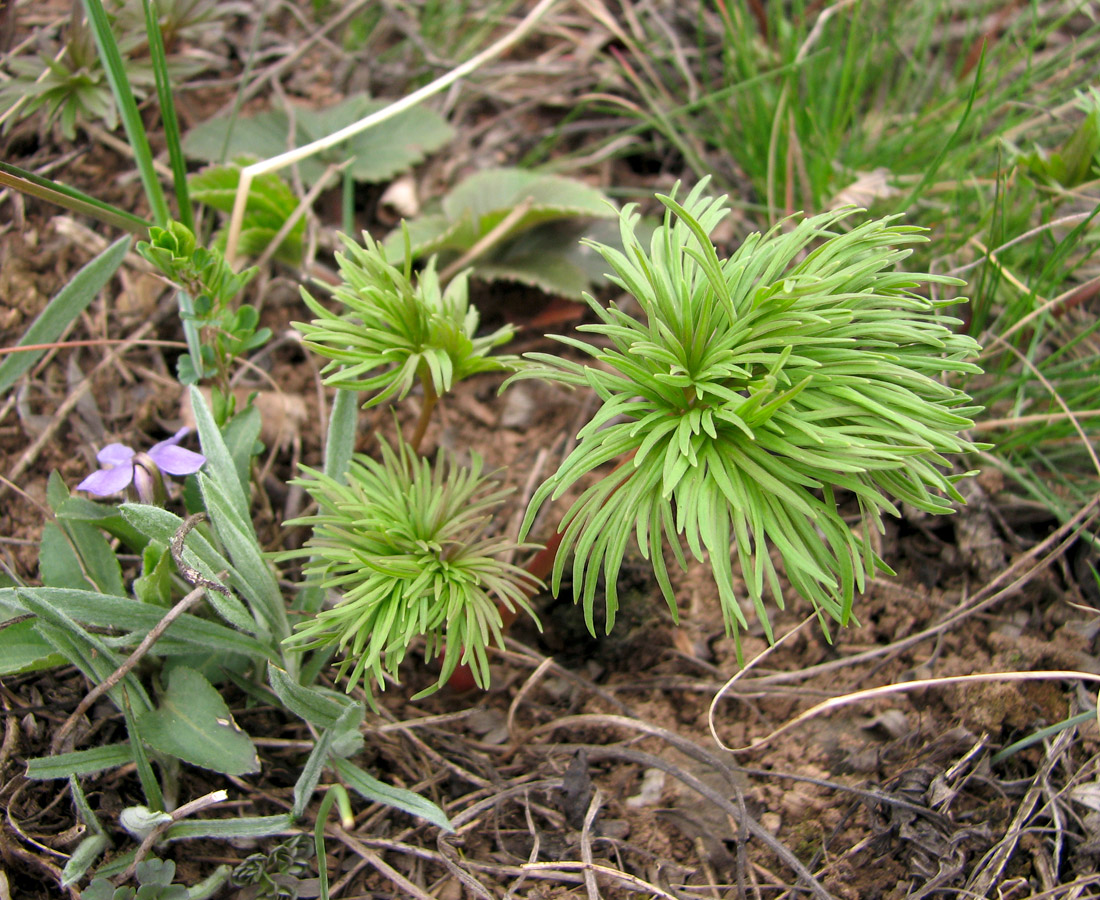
(749, 397)
(403, 542)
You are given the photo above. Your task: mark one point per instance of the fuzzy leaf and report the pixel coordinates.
(23, 649)
(193, 723)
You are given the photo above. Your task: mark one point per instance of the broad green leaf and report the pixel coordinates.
(62, 310)
(375, 791)
(271, 203)
(493, 193)
(23, 649)
(541, 247)
(58, 564)
(379, 153)
(193, 723)
(80, 762)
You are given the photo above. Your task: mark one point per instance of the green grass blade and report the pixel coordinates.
(127, 108)
(62, 310)
(375, 791)
(171, 124)
(934, 167)
(70, 198)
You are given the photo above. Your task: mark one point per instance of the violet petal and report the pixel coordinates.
(174, 439)
(107, 481)
(176, 460)
(115, 455)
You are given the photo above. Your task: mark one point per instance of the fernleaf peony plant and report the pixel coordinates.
(403, 542)
(748, 397)
(393, 331)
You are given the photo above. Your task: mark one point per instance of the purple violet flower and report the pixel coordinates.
(122, 466)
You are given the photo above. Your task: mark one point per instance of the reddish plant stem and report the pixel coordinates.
(430, 400)
(538, 566)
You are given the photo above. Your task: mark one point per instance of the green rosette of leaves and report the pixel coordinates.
(403, 542)
(749, 398)
(393, 332)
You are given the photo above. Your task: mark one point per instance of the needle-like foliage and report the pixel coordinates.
(402, 542)
(749, 397)
(393, 332)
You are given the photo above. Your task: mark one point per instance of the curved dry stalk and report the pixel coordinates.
(275, 163)
(1006, 583)
(736, 813)
(1042, 379)
(872, 693)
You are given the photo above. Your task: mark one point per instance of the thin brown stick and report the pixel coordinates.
(68, 405)
(92, 342)
(122, 671)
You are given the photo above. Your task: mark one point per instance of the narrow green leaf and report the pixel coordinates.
(161, 525)
(317, 708)
(62, 310)
(71, 199)
(88, 652)
(80, 762)
(375, 791)
(342, 429)
(83, 809)
(159, 60)
(154, 798)
(85, 854)
(223, 829)
(127, 108)
(188, 633)
(339, 446)
(311, 774)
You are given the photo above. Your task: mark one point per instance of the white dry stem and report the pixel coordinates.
(872, 693)
(283, 160)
